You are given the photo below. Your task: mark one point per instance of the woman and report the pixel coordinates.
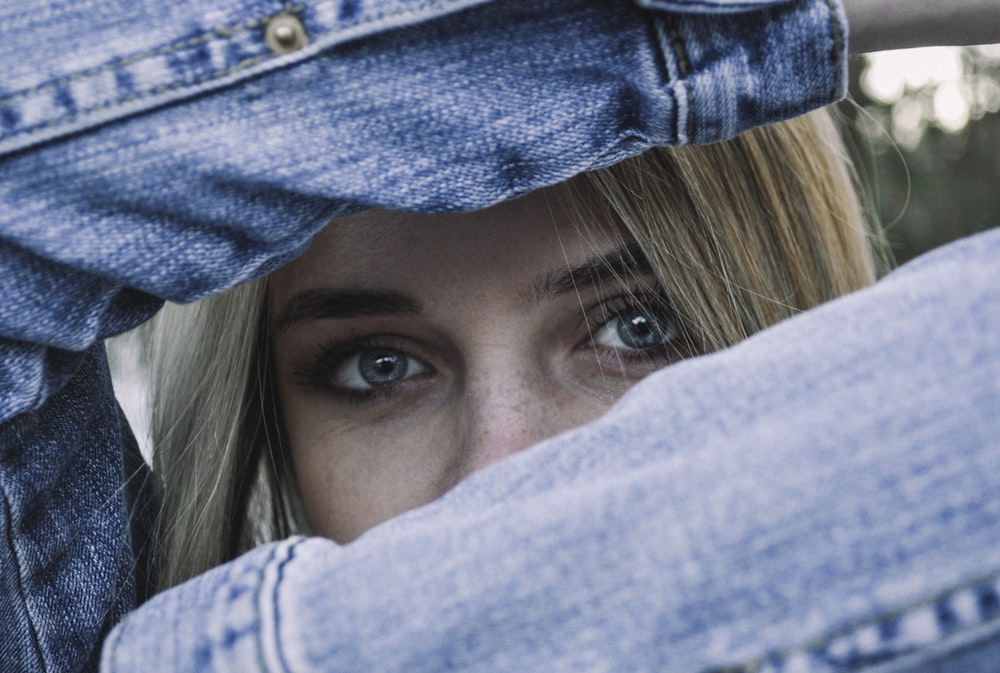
(136, 152)
(401, 353)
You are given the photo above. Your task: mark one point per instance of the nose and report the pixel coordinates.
(505, 413)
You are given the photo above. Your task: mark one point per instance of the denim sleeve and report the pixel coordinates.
(157, 150)
(821, 498)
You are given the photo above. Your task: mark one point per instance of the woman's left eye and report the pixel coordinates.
(636, 328)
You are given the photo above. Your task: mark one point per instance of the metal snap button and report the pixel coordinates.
(284, 33)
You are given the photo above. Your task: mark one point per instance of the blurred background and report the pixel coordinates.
(923, 126)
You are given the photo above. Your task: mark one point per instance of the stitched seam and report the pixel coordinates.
(838, 46)
(817, 647)
(161, 89)
(174, 48)
(20, 585)
(748, 6)
(272, 604)
(666, 79)
(218, 32)
(683, 71)
(257, 600)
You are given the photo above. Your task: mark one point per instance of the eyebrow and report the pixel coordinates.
(611, 266)
(332, 304)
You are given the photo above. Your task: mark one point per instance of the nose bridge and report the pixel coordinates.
(507, 407)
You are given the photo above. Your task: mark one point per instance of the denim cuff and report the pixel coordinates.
(86, 71)
(786, 59)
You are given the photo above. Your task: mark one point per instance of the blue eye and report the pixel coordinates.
(375, 368)
(636, 329)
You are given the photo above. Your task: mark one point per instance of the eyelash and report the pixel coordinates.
(643, 302)
(317, 373)
(333, 354)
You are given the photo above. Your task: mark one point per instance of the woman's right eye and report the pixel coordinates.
(375, 368)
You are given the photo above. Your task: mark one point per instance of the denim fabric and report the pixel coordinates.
(822, 498)
(66, 574)
(153, 150)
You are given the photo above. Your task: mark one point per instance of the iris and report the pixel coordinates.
(381, 367)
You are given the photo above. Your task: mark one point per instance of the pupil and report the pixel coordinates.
(639, 331)
(382, 367)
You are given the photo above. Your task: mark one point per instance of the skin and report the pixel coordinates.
(501, 351)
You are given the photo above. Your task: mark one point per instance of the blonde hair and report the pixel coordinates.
(741, 235)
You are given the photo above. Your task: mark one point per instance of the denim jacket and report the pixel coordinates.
(154, 151)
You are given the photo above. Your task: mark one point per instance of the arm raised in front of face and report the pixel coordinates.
(897, 24)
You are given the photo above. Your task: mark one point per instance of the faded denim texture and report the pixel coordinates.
(153, 150)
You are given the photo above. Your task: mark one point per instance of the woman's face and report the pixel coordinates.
(413, 350)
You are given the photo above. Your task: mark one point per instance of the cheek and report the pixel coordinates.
(605, 376)
(354, 476)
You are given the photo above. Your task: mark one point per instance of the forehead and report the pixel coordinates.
(510, 241)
